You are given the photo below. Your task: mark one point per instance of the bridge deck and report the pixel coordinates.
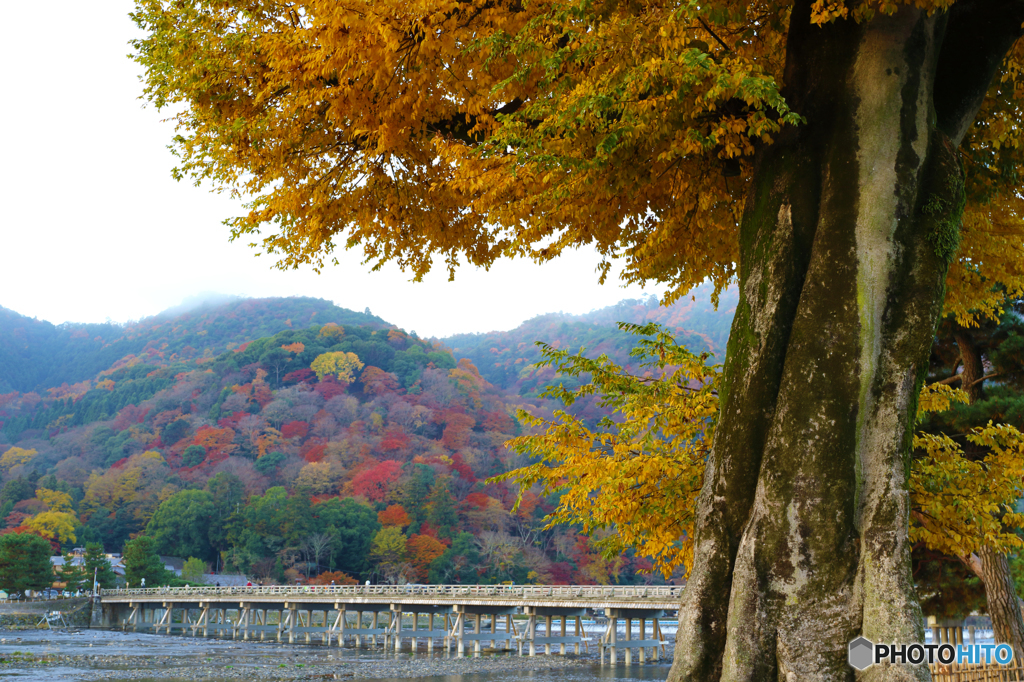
(561, 596)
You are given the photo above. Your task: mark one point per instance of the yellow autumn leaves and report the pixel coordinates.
(960, 503)
(639, 473)
(477, 130)
(58, 521)
(338, 364)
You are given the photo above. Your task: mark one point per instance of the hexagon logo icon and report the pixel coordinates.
(861, 653)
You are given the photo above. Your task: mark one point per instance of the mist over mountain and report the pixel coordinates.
(36, 355)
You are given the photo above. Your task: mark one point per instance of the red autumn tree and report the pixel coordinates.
(375, 483)
(395, 438)
(314, 450)
(378, 382)
(298, 376)
(295, 429)
(457, 429)
(329, 387)
(216, 441)
(128, 416)
(459, 465)
(335, 578)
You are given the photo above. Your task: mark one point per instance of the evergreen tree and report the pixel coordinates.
(97, 567)
(25, 562)
(458, 564)
(141, 562)
(415, 493)
(441, 509)
(73, 574)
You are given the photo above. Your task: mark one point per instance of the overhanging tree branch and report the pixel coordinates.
(978, 35)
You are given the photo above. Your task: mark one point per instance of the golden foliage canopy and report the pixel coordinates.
(339, 364)
(53, 525)
(639, 473)
(958, 503)
(16, 456)
(475, 129)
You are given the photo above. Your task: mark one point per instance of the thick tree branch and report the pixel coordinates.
(460, 125)
(979, 33)
(973, 563)
(981, 379)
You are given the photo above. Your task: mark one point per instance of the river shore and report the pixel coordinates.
(88, 655)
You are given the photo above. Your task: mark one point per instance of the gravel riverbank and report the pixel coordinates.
(89, 655)
(322, 668)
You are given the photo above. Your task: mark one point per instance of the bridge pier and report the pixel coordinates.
(469, 613)
(610, 641)
(398, 633)
(548, 613)
(478, 610)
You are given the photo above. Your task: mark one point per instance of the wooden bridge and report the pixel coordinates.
(507, 616)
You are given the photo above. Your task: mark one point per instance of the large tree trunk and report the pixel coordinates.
(1003, 604)
(802, 532)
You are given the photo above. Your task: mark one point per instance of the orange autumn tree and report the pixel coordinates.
(821, 152)
(333, 578)
(422, 551)
(394, 515)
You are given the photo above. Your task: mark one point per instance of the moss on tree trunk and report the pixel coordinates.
(802, 536)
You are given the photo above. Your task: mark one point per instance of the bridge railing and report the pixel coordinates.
(523, 592)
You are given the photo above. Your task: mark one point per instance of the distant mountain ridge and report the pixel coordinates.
(36, 355)
(505, 359)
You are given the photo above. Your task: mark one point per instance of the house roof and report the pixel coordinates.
(226, 579)
(115, 562)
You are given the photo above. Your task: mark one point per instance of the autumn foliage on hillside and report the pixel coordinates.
(333, 450)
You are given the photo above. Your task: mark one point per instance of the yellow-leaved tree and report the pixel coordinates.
(639, 472)
(822, 152)
(15, 456)
(338, 364)
(58, 521)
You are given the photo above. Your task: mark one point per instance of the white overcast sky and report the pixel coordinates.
(92, 225)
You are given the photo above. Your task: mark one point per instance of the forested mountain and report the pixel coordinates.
(506, 358)
(288, 437)
(36, 355)
(337, 431)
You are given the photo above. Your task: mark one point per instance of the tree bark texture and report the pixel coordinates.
(1000, 594)
(972, 368)
(1003, 604)
(802, 533)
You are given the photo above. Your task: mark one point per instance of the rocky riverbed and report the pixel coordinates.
(87, 655)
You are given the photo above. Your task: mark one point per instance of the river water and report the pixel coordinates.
(89, 655)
